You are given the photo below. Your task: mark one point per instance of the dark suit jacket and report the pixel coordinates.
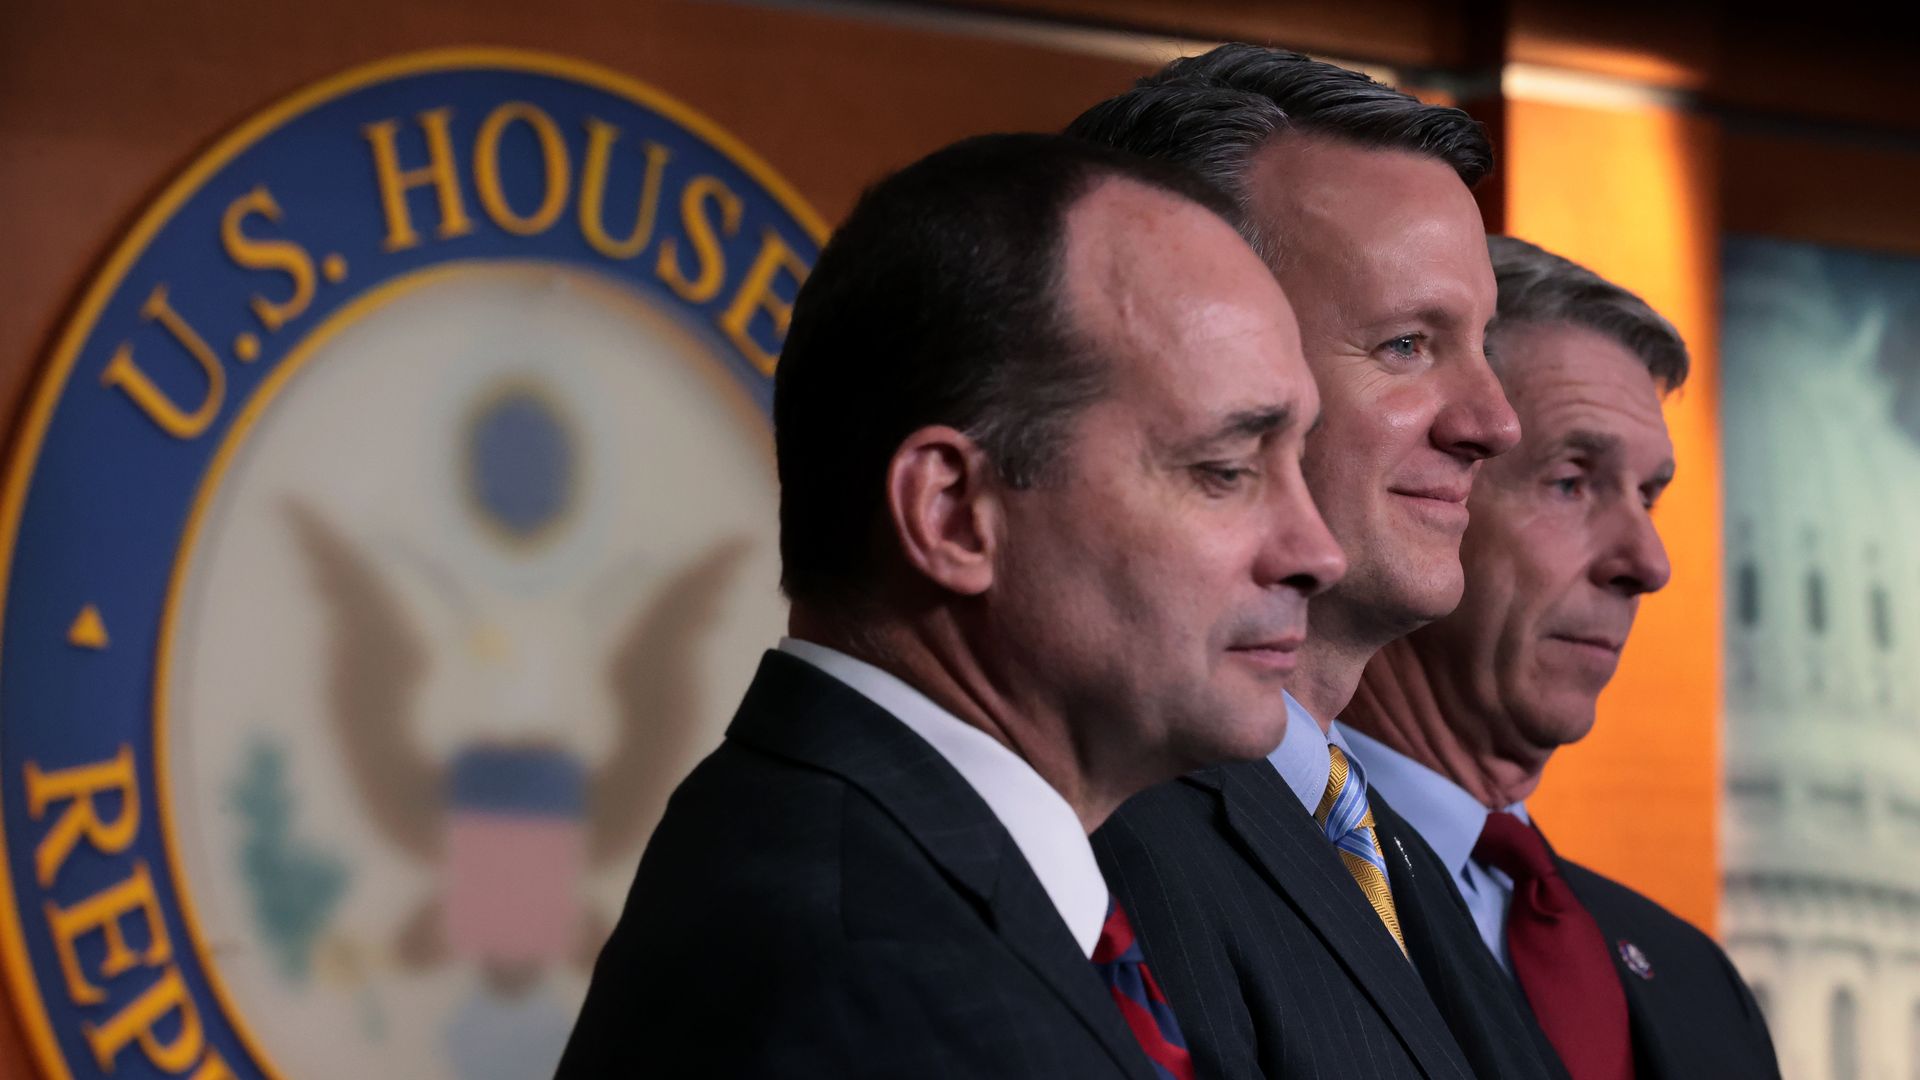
(826, 897)
(1269, 953)
(1692, 1015)
(1482, 1005)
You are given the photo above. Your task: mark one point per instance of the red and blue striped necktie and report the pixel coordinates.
(1123, 968)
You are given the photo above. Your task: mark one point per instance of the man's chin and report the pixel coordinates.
(1553, 724)
(1404, 594)
(1433, 595)
(1251, 735)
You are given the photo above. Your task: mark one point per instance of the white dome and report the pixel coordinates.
(1822, 736)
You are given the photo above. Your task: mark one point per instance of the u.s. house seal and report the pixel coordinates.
(391, 528)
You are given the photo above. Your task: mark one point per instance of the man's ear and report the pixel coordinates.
(943, 498)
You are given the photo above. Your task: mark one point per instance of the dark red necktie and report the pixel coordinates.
(1123, 967)
(1559, 955)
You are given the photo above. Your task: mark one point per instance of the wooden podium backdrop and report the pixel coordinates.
(1628, 142)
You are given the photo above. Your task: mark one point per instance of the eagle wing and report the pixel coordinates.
(377, 664)
(656, 692)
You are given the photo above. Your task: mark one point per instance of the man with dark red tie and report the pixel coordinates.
(1038, 423)
(1457, 720)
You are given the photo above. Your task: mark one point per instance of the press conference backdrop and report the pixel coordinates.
(426, 538)
(389, 519)
(390, 525)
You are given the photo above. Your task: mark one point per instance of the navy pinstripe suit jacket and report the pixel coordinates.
(1275, 963)
(826, 897)
(1265, 946)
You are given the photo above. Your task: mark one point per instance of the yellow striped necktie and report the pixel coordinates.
(1348, 822)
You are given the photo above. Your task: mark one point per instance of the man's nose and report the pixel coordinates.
(1475, 421)
(1635, 561)
(1303, 554)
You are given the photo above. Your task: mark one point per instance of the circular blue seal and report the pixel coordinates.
(328, 486)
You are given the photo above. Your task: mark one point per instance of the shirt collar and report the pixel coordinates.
(1042, 823)
(1445, 815)
(1302, 759)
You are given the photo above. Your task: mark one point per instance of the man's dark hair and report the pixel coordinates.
(936, 302)
(1538, 287)
(1212, 112)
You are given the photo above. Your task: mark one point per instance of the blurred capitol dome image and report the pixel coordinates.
(1822, 738)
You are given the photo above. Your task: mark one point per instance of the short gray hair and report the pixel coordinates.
(1211, 113)
(1538, 287)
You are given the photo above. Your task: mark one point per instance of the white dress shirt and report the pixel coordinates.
(1449, 819)
(1042, 824)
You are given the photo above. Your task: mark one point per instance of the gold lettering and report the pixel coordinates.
(700, 230)
(78, 786)
(283, 255)
(553, 154)
(593, 192)
(756, 294)
(137, 1021)
(438, 171)
(213, 1067)
(103, 911)
(122, 372)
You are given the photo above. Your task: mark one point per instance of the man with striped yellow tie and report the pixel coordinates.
(1294, 934)
(1458, 719)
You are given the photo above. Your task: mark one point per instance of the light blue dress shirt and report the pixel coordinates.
(1302, 759)
(1449, 820)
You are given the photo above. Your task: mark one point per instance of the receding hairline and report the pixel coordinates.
(1100, 196)
(1098, 247)
(1267, 186)
(1539, 287)
(1311, 138)
(1501, 356)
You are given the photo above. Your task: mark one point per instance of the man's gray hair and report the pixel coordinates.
(1212, 112)
(1538, 287)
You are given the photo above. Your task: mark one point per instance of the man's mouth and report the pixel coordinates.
(1278, 654)
(1444, 505)
(1447, 493)
(1610, 646)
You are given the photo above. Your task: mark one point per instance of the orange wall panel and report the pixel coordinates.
(1632, 193)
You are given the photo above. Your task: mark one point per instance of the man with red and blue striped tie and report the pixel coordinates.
(1038, 423)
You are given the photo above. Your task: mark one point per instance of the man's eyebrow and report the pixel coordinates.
(1241, 425)
(1592, 443)
(1424, 313)
(1603, 444)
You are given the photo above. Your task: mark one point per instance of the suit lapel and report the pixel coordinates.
(1483, 1006)
(1027, 922)
(1652, 1059)
(796, 711)
(1302, 866)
